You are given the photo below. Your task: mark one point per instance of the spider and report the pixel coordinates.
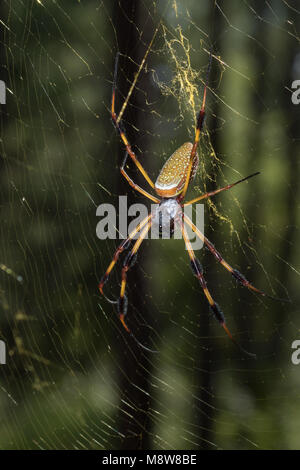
(171, 185)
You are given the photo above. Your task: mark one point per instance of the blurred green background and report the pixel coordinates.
(74, 378)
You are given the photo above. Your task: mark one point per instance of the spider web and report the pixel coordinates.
(74, 378)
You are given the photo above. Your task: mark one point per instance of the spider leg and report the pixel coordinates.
(234, 272)
(128, 263)
(198, 272)
(119, 250)
(199, 126)
(212, 193)
(135, 186)
(119, 127)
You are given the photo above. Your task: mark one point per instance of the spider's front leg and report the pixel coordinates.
(118, 125)
(199, 127)
(133, 184)
(198, 272)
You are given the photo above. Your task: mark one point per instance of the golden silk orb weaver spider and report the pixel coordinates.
(171, 185)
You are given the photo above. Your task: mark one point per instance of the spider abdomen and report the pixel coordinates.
(171, 179)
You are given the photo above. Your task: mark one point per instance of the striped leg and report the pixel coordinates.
(119, 250)
(198, 272)
(217, 191)
(128, 263)
(234, 272)
(118, 126)
(135, 186)
(199, 126)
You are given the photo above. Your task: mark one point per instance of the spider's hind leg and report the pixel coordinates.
(128, 263)
(119, 250)
(214, 307)
(239, 277)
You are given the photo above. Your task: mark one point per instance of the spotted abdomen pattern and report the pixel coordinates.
(171, 179)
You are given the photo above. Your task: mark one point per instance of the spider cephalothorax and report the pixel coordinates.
(165, 216)
(171, 185)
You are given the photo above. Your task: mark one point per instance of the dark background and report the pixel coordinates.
(74, 378)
